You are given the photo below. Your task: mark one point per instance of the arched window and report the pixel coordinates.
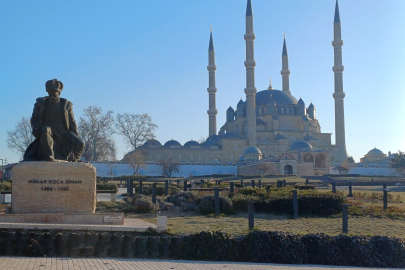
(264, 110)
(282, 110)
(292, 110)
(287, 110)
(260, 111)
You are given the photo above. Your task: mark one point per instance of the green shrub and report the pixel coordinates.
(143, 204)
(6, 186)
(304, 187)
(206, 205)
(280, 201)
(182, 196)
(107, 186)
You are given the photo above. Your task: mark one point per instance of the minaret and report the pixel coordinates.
(250, 89)
(285, 72)
(339, 95)
(212, 110)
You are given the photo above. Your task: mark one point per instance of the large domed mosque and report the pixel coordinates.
(270, 126)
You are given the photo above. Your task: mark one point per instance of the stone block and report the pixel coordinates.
(53, 187)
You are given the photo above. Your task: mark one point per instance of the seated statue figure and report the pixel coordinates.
(54, 127)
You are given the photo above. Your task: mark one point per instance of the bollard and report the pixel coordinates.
(178, 183)
(307, 181)
(131, 188)
(241, 183)
(295, 202)
(140, 187)
(284, 183)
(251, 214)
(202, 182)
(333, 187)
(128, 186)
(350, 190)
(268, 189)
(232, 188)
(154, 193)
(345, 218)
(253, 183)
(166, 187)
(217, 211)
(185, 185)
(260, 183)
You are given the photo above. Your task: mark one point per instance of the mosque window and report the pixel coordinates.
(264, 110)
(282, 110)
(287, 110)
(285, 157)
(292, 110)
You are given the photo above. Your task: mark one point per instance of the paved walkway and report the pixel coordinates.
(22, 263)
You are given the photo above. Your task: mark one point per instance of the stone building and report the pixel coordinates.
(271, 126)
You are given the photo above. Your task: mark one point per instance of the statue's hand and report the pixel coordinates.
(35, 132)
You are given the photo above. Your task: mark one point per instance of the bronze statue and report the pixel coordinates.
(54, 127)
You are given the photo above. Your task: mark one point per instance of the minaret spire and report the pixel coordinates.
(339, 95)
(212, 110)
(250, 89)
(285, 72)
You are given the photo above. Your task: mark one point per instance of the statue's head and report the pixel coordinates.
(54, 87)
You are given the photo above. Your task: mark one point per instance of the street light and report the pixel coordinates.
(2, 170)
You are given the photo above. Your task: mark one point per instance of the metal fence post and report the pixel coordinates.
(345, 218)
(333, 187)
(140, 187)
(253, 183)
(131, 188)
(166, 187)
(295, 202)
(251, 214)
(128, 185)
(154, 193)
(350, 190)
(385, 199)
(232, 188)
(217, 210)
(185, 185)
(260, 183)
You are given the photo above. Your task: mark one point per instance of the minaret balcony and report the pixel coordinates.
(250, 63)
(250, 36)
(339, 95)
(337, 43)
(338, 69)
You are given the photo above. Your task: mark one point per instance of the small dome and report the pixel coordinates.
(301, 102)
(301, 145)
(213, 137)
(191, 143)
(311, 106)
(240, 103)
(209, 144)
(230, 109)
(172, 143)
(152, 143)
(252, 150)
(230, 135)
(375, 151)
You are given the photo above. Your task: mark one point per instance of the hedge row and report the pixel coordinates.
(280, 201)
(107, 186)
(257, 246)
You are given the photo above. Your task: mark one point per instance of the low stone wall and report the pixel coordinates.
(257, 246)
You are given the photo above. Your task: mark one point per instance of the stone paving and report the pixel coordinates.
(22, 263)
(130, 225)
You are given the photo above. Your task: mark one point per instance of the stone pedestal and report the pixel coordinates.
(53, 187)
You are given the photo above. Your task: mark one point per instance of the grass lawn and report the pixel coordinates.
(238, 224)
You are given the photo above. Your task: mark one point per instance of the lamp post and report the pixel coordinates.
(2, 170)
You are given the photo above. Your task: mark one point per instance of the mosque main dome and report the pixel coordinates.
(266, 96)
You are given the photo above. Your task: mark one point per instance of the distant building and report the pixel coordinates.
(270, 126)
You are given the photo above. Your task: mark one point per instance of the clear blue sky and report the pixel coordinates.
(151, 57)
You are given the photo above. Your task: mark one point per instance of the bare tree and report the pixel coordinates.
(169, 166)
(111, 166)
(342, 169)
(136, 159)
(136, 128)
(96, 130)
(263, 168)
(20, 138)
